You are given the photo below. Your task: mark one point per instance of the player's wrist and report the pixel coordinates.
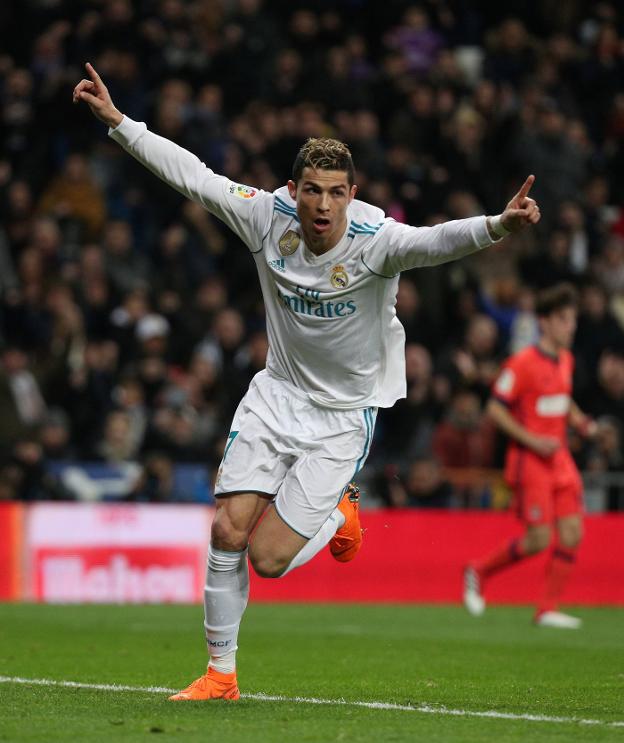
(586, 426)
(496, 228)
(535, 443)
(114, 119)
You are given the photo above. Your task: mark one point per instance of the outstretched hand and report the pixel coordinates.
(521, 211)
(95, 94)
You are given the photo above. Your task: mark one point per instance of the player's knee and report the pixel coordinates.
(571, 536)
(267, 566)
(538, 539)
(225, 536)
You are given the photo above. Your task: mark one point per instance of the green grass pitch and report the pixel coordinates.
(437, 665)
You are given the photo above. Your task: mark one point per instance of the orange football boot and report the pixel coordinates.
(212, 685)
(346, 542)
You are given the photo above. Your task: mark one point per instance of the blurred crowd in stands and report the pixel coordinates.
(131, 321)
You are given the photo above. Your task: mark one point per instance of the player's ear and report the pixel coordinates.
(292, 190)
(352, 192)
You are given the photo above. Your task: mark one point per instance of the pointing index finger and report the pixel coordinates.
(92, 73)
(526, 187)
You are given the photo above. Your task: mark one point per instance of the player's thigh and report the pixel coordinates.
(568, 495)
(534, 501)
(258, 450)
(328, 462)
(537, 537)
(235, 519)
(569, 503)
(570, 530)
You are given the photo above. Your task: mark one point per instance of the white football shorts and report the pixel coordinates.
(285, 447)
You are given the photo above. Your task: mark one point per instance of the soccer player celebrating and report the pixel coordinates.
(531, 403)
(329, 269)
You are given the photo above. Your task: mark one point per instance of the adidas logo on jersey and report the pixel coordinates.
(278, 265)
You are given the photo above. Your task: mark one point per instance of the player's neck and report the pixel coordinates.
(549, 347)
(323, 244)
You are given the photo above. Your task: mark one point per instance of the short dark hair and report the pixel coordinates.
(323, 153)
(555, 298)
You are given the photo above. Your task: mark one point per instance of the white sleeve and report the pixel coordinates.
(246, 210)
(399, 247)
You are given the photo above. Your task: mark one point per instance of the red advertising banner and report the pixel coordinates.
(418, 556)
(116, 553)
(156, 553)
(128, 575)
(11, 532)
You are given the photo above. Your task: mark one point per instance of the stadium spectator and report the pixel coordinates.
(19, 105)
(540, 270)
(416, 40)
(75, 199)
(524, 330)
(27, 476)
(125, 267)
(464, 439)
(406, 428)
(200, 310)
(473, 364)
(22, 404)
(118, 443)
(152, 335)
(608, 268)
(511, 53)
(559, 164)
(155, 484)
(129, 397)
(54, 436)
(17, 214)
(424, 486)
(412, 314)
(607, 397)
(606, 457)
(597, 331)
(571, 219)
(89, 392)
(501, 302)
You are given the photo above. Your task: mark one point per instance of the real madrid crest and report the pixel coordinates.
(289, 242)
(338, 277)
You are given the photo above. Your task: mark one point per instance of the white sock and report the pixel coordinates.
(225, 599)
(319, 540)
(224, 663)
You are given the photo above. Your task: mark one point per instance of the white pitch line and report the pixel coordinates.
(422, 708)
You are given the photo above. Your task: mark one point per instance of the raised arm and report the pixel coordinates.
(406, 247)
(245, 210)
(178, 167)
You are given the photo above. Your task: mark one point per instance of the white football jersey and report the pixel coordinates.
(331, 321)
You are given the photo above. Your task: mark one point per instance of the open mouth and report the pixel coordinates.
(321, 224)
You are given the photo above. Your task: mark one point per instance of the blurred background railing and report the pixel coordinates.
(435, 487)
